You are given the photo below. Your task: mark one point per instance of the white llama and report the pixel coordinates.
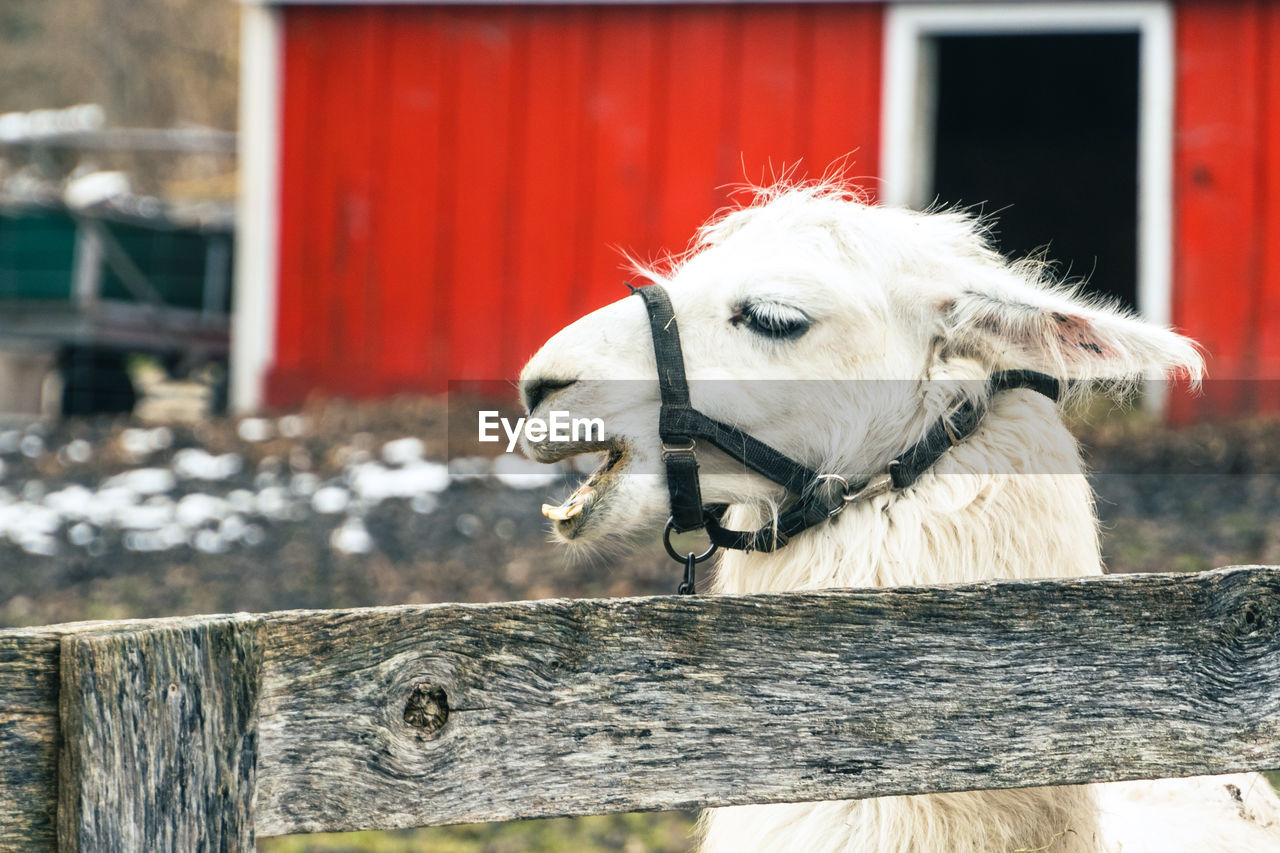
(809, 283)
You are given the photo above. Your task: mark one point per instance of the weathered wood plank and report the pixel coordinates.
(28, 739)
(578, 707)
(159, 738)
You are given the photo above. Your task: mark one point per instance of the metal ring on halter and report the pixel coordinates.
(844, 484)
(844, 492)
(676, 555)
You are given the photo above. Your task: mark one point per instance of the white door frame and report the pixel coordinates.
(909, 93)
(257, 279)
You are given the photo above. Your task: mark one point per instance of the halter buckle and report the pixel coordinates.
(667, 449)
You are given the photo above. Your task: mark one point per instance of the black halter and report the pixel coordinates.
(680, 426)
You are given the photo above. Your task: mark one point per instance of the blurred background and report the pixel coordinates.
(253, 255)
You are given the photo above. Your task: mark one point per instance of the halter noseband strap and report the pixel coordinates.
(680, 427)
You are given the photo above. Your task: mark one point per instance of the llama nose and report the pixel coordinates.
(535, 391)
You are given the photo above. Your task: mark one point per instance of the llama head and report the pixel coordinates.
(834, 331)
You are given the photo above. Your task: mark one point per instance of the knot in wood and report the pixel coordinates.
(427, 708)
(1255, 621)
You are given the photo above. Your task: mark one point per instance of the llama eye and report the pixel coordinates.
(772, 320)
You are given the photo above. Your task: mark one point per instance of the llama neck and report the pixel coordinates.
(986, 510)
(1010, 502)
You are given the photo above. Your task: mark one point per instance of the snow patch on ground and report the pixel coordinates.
(255, 429)
(144, 481)
(208, 502)
(193, 463)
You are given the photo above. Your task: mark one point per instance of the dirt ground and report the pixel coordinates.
(475, 540)
(1169, 499)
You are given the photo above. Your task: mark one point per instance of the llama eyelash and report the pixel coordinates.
(771, 319)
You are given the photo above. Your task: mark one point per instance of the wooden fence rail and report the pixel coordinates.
(198, 733)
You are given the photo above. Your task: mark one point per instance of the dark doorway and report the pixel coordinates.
(1042, 131)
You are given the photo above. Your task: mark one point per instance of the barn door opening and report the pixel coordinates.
(1056, 117)
(1042, 130)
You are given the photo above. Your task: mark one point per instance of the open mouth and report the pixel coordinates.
(571, 516)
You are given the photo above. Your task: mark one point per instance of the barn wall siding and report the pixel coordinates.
(457, 181)
(1227, 201)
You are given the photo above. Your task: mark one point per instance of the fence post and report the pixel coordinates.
(159, 737)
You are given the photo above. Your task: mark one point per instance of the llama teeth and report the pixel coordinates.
(571, 508)
(564, 512)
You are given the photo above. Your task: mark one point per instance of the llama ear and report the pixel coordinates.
(1022, 326)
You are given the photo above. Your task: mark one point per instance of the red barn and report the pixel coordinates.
(430, 190)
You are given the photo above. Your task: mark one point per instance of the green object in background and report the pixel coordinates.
(91, 287)
(174, 262)
(38, 258)
(37, 252)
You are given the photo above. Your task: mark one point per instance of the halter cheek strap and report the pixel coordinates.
(680, 427)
